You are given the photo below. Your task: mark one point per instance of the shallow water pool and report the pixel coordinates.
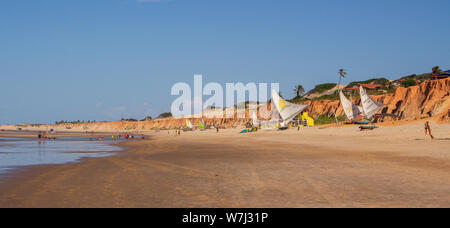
(15, 152)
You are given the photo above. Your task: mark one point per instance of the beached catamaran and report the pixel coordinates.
(282, 111)
(288, 111)
(201, 125)
(351, 110)
(369, 108)
(189, 124)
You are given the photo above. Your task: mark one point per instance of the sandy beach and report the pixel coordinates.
(394, 166)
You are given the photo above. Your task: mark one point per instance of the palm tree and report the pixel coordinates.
(342, 74)
(299, 90)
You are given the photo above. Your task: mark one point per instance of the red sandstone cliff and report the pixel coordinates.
(428, 99)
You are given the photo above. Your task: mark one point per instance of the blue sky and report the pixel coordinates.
(107, 59)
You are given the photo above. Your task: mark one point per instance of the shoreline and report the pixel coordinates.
(311, 168)
(11, 171)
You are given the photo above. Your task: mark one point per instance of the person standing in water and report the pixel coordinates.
(428, 129)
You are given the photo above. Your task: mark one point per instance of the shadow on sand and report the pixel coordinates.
(436, 139)
(443, 139)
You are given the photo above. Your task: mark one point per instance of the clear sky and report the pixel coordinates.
(107, 59)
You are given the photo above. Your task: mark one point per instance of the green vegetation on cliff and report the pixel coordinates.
(322, 88)
(165, 115)
(73, 122)
(380, 81)
(408, 82)
(332, 97)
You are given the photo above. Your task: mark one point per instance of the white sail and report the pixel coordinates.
(287, 111)
(370, 106)
(255, 120)
(189, 124)
(351, 110)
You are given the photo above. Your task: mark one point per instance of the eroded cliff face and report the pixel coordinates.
(428, 99)
(325, 107)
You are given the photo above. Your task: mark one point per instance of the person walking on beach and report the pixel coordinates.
(428, 129)
(39, 136)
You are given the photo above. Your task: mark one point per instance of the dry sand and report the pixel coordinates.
(394, 166)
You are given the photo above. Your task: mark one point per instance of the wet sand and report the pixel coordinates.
(319, 167)
(34, 134)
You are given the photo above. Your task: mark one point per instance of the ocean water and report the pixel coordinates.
(15, 152)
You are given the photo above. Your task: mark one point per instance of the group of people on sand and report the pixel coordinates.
(127, 136)
(42, 137)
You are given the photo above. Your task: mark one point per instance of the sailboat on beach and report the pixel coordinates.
(370, 106)
(189, 124)
(280, 111)
(351, 110)
(255, 121)
(201, 125)
(354, 112)
(287, 111)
